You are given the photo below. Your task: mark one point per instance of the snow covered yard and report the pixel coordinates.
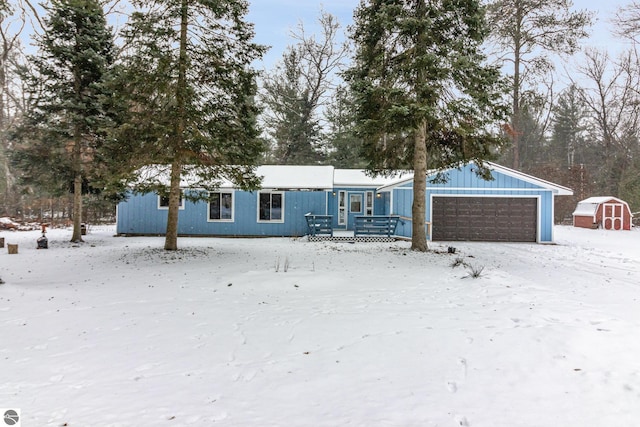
(283, 332)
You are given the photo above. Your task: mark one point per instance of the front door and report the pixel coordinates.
(350, 204)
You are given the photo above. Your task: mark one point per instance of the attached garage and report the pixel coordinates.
(463, 206)
(485, 219)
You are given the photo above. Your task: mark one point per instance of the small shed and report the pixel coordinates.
(609, 213)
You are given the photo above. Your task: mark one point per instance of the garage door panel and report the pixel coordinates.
(499, 219)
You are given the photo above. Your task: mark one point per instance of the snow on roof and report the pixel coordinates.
(359, 178)
(586, 209)
(601, 199)
(296, 177)
(273, 177)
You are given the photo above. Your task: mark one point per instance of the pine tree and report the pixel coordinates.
(63, 131)
(526, 31)
(423, 96)
(190, 89)
(568, 129)
(345, 147)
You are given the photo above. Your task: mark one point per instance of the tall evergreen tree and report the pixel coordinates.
(526, 31)
(190, 91)
(344, 146)
(64, 130)
(568, 130)
(423, 96)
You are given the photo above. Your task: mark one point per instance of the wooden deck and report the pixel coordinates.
(371, 228)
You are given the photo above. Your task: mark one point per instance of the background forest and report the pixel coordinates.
(573, 111)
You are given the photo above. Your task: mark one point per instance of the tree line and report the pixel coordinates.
(173, 100)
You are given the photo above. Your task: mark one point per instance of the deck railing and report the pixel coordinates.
(319, 224)
(375, 225)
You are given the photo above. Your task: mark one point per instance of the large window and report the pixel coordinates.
(163, 202)
(221, 206)
(271, 206)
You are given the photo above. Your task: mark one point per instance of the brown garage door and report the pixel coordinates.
(489, 219)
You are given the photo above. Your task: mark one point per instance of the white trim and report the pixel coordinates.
(558, 189)
(545, 185)
(553, 216)
(368, 207)
(613, 216)
(344, 219)
(326, 202)
(233, 205)
(270, 221)
(505, 196)
(166, 208)
(478, 189)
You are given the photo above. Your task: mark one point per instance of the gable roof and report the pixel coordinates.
(557, 189)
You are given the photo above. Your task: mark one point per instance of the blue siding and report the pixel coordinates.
(140, 215)
(465, 182)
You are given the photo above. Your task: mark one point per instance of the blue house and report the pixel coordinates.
(511, 207)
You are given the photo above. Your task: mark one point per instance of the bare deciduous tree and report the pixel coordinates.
(295, 93)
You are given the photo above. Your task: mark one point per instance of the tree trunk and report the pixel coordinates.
(515, 119)
(171, 237)
(77, 185)
(77, 209)
(419, 209)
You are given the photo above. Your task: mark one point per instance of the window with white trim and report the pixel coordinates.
(221, 206)
(342, 197)
(369, 203)
(271, 206)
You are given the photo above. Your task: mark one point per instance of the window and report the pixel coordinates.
(369, 203)
(355, 203)
(221, 206)
(270, 206)
(342, 196)
(163, 202)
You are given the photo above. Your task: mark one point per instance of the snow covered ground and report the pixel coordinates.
(283, 332)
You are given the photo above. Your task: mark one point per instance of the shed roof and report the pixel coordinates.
(601, 199)
(589, 206)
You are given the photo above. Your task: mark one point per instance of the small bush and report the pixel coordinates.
(474, 270)
(458, 262)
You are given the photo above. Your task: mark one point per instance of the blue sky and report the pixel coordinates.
(274, 20)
